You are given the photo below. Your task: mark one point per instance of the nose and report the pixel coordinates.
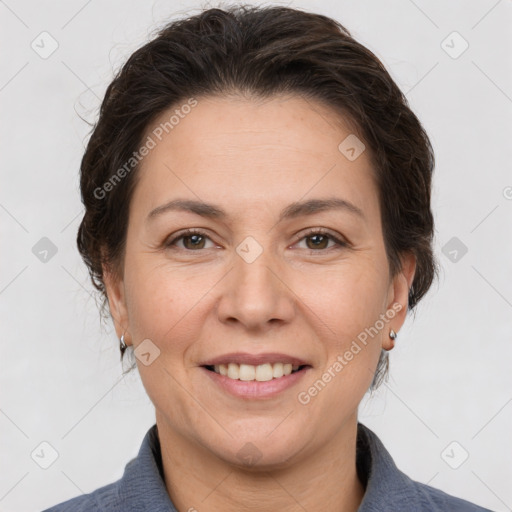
(256, 295)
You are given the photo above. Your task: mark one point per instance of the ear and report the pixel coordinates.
(114, 287)
(398, 296)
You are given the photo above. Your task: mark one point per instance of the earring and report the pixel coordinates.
(122, 344)
(392, 335)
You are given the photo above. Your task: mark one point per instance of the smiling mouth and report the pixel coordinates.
(261, 373)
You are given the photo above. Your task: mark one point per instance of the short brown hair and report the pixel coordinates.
(260, 51)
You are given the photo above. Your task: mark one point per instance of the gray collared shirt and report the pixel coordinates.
(387, 489)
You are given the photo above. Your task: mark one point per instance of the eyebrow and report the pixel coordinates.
(293, 210)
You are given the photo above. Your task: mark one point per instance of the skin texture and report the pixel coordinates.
(253, 158)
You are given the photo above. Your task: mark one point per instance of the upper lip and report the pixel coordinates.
(254, 359)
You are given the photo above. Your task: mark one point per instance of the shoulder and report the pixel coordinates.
(389, 489)
(140, 488)
(435, 499)
(100, 500)
(432, 499)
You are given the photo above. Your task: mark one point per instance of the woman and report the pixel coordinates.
(257, 218)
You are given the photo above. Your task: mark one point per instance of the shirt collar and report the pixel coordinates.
(387, 488)
(142, 486)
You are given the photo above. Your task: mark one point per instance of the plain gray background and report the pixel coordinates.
(61, 380)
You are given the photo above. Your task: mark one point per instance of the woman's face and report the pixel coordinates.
(275, 275)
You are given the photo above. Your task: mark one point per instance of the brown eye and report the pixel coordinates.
(195, 241)
(319, 241)
(192, 240)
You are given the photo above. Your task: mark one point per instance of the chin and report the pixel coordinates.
(272, 447)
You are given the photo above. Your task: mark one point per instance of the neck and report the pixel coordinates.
(197, 480)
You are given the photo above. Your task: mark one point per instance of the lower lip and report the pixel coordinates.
(255, 389)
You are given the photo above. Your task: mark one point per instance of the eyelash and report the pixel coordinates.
(312, 231)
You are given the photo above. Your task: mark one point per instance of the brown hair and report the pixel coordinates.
(259, 51)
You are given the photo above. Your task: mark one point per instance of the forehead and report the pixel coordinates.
(245, 151)
(220, 123)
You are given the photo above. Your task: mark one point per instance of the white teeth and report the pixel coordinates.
(264, 372)
(246, 372)
(233, 371)
(278, 370)
(261, 373)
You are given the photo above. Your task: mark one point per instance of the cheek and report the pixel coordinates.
(158, 298)
(348, 302)
(347, 298)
